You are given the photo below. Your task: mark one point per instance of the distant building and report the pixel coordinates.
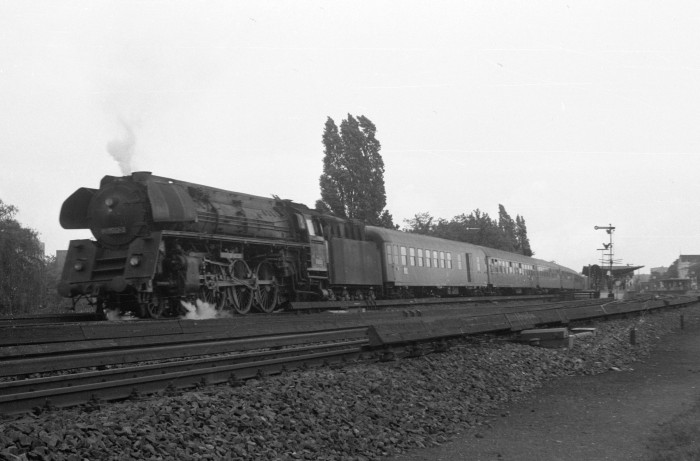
(641, 281)
(684, 264)
(658, 270)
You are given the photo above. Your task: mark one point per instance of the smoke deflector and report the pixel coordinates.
(74, 212)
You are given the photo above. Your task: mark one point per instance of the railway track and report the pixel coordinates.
(295, 307)
(244, 358)
(58, 317)
(68, 364)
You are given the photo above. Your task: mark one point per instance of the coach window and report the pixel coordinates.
(412, 256)
(420, 257)
(403, 256)
(459, 261)
(478, 263)
(510, 267)
(435, 258)
(427, 258)
(442, 259)
(388, 252)
(449, 260)
(396, 255)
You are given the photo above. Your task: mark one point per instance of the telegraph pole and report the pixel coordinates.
(609, 246)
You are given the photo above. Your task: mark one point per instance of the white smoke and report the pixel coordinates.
(122, 148)
(202, 311)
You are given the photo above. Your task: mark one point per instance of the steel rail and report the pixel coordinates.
(120, 383)
(58, 317)
(293, 307)
(13, 366)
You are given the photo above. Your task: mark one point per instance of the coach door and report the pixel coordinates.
(469, 267)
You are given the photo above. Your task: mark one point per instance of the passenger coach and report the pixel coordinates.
(419, 265)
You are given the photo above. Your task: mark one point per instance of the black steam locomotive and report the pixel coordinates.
(160, 241)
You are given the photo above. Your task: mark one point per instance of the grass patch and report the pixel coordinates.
(679, 438)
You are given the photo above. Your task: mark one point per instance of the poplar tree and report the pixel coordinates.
(521, 235)
(352, 183)
(507, 227)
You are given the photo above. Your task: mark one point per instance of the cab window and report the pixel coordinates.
(314, 227)
(310, 226)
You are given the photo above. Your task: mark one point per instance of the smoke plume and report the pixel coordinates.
(122, 148)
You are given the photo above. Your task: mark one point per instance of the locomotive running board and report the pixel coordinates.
(228, 238)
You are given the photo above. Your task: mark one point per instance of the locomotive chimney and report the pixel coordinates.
(141, 175)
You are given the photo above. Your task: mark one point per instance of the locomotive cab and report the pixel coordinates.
(318, 250)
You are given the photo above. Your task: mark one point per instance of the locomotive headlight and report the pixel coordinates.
(78, 267)
(134, 261)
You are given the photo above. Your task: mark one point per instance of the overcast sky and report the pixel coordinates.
(570, 114)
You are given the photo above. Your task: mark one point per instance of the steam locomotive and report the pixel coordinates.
(159, 241)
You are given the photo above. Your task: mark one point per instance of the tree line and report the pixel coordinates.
(352, 186)
(27, 276)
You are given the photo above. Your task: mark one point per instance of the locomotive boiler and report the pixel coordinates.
(159, 241)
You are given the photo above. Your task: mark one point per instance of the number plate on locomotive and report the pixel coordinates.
(113, 230)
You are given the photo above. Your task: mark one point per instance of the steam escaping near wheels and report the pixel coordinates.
(202, 311)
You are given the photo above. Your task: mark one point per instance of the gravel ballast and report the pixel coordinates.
(364, 411)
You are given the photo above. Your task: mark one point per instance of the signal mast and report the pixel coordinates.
(608, 247)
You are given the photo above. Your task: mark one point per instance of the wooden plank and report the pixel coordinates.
(581, 331)
(544, 334)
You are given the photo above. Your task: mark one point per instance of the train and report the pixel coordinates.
(159, 242)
